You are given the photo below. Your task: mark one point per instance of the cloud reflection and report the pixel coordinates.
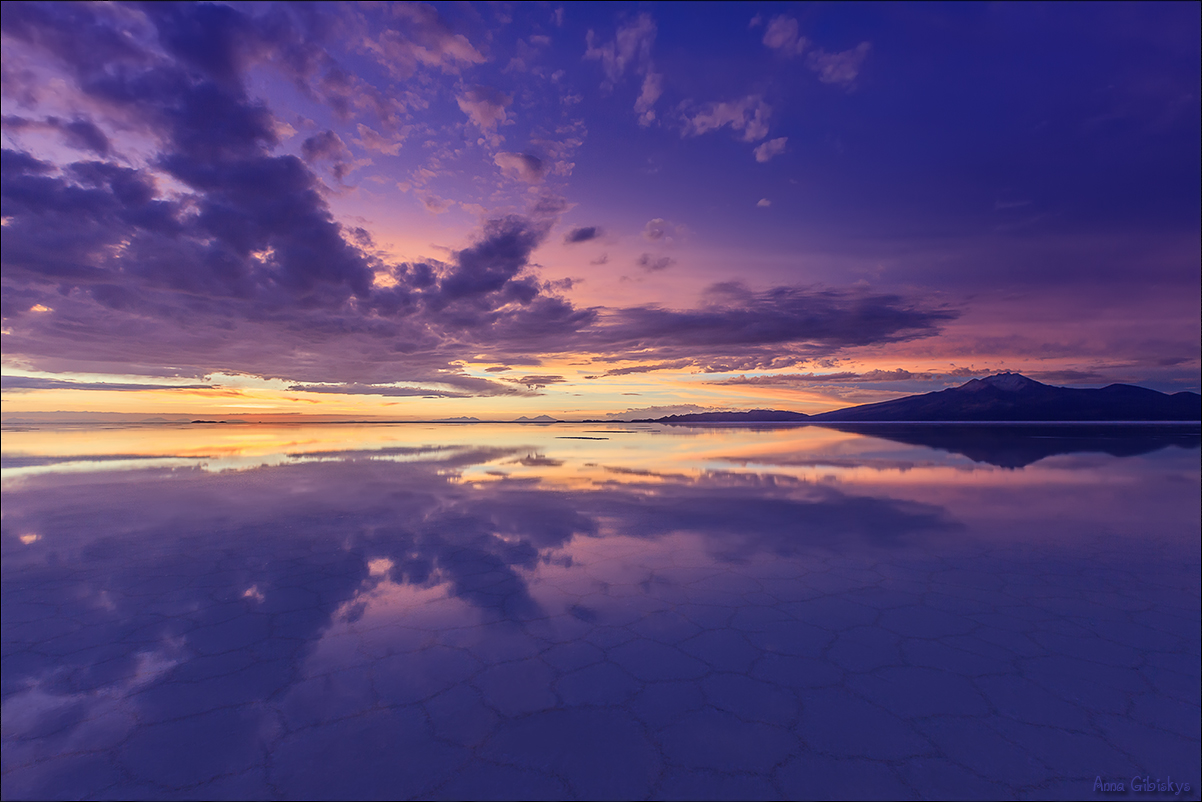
(186, 621)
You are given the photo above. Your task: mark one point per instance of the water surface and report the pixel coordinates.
(598, 611)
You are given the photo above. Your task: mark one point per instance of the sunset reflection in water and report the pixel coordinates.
(597, 610)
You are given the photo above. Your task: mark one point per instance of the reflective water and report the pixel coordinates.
(598, 611)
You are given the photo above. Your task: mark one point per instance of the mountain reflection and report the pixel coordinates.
(1016, 446)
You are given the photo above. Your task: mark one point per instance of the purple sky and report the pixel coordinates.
(428, 211)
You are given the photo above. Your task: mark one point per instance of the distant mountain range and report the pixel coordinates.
(1003, 397)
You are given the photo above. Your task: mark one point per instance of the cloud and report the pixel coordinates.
(738, 320)
(484, 106)
(79, 133)
(434, 204)
(630, 51)
(373, 140)
(654, 264)
(495, 261)
(850, 377)
(521, 166)
(785, 379)
(219, 253)
(660, 230)
(653, 87)
(526, 53)
(648, 368)
(381, 390)
(445, 385)
(415, 36)
(840, 69)
(326, 146)
(272, 309)
(631, 48)
(549, 206)
(782, 36)
(769, 149)
(1071, 376)
(763, 203)
(749, 115)
(537, 382)
(583, 234)
(266, 282)
(24, 384)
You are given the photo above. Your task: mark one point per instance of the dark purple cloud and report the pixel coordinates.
(842, 377)
(79, 133)
(538, 381)
(495, 261)
(373, 389)
(17, 384)
(653, 264)
(676, 364)
(326, 146)
(460, 387)
(737, 318)
(583, 234)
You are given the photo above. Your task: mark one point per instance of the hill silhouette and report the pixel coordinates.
(1014, 397)
(1005, 397)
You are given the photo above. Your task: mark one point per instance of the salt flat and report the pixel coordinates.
(596, 611)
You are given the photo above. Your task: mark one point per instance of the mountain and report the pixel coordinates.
(1001, 398)
(1014, 397)
(460, 419)
(537, 419)
(752, 416)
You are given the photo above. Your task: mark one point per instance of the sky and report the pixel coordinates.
(418, 212)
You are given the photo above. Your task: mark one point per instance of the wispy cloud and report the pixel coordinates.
(485, 107)
(78, 133)
(415, 36)
(848, 377)
(782, 35)
(748, 115)
(770, 149)
(840, 69)
(522, 166)
(24, 384)
(653, 264)
(630, 51)
(675, 364)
